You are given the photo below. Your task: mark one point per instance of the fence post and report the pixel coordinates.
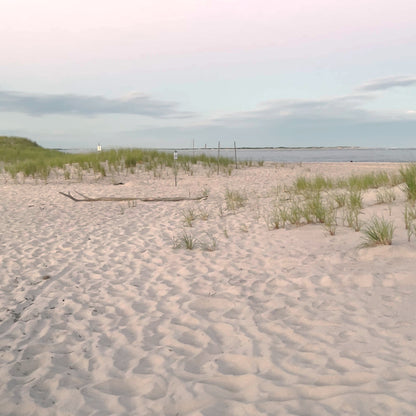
(218, 158)
(175, 167)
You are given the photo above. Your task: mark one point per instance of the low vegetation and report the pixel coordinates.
(23, 156)
(187, 241)
(408, 176)
(309, 200)
(410, 220)
(378, 232)
(234, 199)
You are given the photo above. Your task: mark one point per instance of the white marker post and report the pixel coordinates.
(175, 168)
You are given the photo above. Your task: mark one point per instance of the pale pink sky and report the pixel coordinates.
(214, 59)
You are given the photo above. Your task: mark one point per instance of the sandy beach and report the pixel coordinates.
(101, 315)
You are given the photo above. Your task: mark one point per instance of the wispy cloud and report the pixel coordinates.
(389, 82)
(85, 105)
(341, 108)
(342, 120)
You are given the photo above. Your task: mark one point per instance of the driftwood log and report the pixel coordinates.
(115, 198)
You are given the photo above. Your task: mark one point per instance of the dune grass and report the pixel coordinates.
(408, 176)
(378, 232)
(234, 199)
(355, 183)
(20, 155)
(185, 240)
(410, 219)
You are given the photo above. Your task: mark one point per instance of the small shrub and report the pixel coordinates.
(378, 232)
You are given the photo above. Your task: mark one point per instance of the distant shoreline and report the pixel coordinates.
(292, 154)
(240, 148)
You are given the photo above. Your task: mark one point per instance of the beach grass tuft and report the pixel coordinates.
(189, 215)
(408, 176)
(410, 219)
(185, 240)
(378, 232)
(385, 196)
(234, 199)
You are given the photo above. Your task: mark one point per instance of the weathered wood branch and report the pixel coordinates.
(115, 198)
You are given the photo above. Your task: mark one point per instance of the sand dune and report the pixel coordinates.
(100, 315)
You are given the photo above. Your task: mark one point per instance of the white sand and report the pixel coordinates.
(99, 315)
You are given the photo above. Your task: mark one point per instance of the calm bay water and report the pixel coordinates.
(315, 154)
(302, 155)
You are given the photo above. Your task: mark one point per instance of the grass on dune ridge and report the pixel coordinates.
(20, 155)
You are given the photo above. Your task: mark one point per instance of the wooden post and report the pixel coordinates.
(235, 155)
(218, 158)
(175, 167)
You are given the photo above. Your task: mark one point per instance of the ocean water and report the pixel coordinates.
(324, 154)
(314, 154)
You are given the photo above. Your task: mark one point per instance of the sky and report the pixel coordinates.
(173, 73)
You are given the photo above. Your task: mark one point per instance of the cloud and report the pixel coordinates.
(389, 82)
(84, 105)
(333, 121)
(336, 108)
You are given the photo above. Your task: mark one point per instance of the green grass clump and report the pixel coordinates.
(410, 220)
(368, 181)
(353, 209)
(185, 240)
(408, 175)
(276, 218)
(385, 196)
(315, 209)
(355, 182)
(378, 232)
(330, 222)
(340, 199)
(189, 215)
(234, 199)
(316, 184)
(355, 200)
